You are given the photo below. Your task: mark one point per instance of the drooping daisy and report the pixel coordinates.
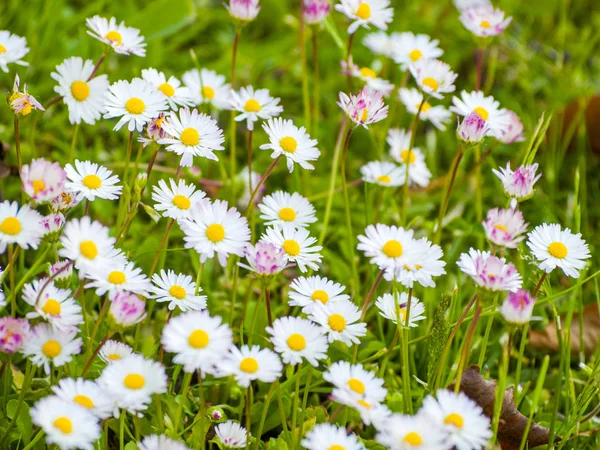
(135, 102)
(383, 173)
(118, 276)
(12, 50)
(84, 96)
(48, 345)
(296, 339)
(114, 351)
(400, 432)
(513, 131)
(365, 108)
(52, 225)
(13, 333)
(486, 107)
(213, 229)
(463, 420)
(22, 103)
(292, 142)
(505, 227)
(66, 424)
(410, 48)
(132, 381)
(315, 11)
(162, 442)
(517, 307)
(85, 393)
(43, 180)
(175, 200)
(473, 129)
(243, 10)
(232, 434)
(179, 290)
(392, 308)
(363, 13)
(306, 292)
(490, 272)
(369, 77)
(198, 340)
(352, 381)
(420, 266)
(123, 40)
(326, 435)
(297, 243)
(174, 93)
(207, 86)
(192, 134)
(340, 321)
(433, 77)
(387, 246)
(92, 180)
(518, 184)
(436, 114)
(553, 247)
(264, 259)
(248, 364)
(19, 226)
(254, 105)
(282, 207)
(53, 304)
(380, 43)
(126, 309)
(484, 20)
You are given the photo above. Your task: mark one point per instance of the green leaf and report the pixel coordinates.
(131, 446)
(24, 425)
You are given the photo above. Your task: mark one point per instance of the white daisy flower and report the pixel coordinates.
(380, 43)
(113, 351)
(421, 265)
(433, 77)
(175, 200)
(118, 276)
(399, 142)
(364, 108)
(243, 10)
(410, 48)
(370, 412)
(436, 114)
(553, 247)
(66, 201)
(295, 339)
(486, 107)
(48, 345)
(199, 341)
(19, 226)
(292, 142)
(518, 184)
(135, 102)
(383, 173)
(174, 93)
(484, 20)
(464, 4)
(123, 40)
(232, 434)
(52, 225)
(179, 290)
(400, 432)
(340, 320)
(55, 305)
(490, 272)
(517, 307)
(132, 381)
(388, 309)
(192, 134)
(369, 77)
(162, 442)
(352, 381)
(513, 132)
(92, 180)
(207, 86)
(85, 393)
(505, 227)
(126, 309)
(248, 364)
(43, 180)
(12, 50)
(264, 259)
(254, 105)
(297, 243)
(306, 292)
(212, 229)
(387, 246)
(66, 424)
(363, 13)
(328, 436)
(83, 96)
(282, 207)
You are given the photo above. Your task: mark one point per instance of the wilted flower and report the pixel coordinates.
(22, 103)
(264, 259)
(505, 227)
(513, 131)
(472, 129)
(243, 10)
(154, 131)
(518, 307)
(365, 108)
(518, 184)
(66, 201)
(127, 309)
(12, 334)
(484, 21)
(490, 272)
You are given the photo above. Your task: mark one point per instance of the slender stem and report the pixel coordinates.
(152, 160)
(89, 362)
(478, 75)
(185, 386)
(464, 359)
(305, 93)
(316, 97)
(234, 50)
(403, 332)
(304, 403)
(18, 143)
(35, 440)
(250, 134)
(539, 284)
(262, 181)
(478, 193)
(232, 125)
(97, 66)
(248, 413)
(486, 336)
(161, 246)
(268, 302)
(101, 315)
(370, 295)
(388, 354)
(524, 335)
(349, 61)
(295, 405)
(128, 156)
(30, 370)
(202, 410)
(73, 142)
(138, 156)
(447, 192)
(86, 209)
(122, 430)
(11, 278)
(282, 415)
(263, 416)
(52, 102)
(413, 132)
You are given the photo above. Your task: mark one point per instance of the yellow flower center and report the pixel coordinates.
(52, 307)
(64, 425)
(501, 227)
(134, 381)
(431, 83)
(402, 315)
(558, 250)
(482, 113)
(384, 179)
(135, 105)
(485, 24)
(51, 348)
(392, 248)
(415, 55)
(84, 401)
(408, 156)
(288, 144)
(88, 249)
(287, 214)
(177, 291)
(337, 322)
(198, 339)
(215, 232)
(38, 185)
(92, 181)
(115, 37)
(291, 247)
(117, 277)
(2, 49)
(190, 137)
(249, 365)
(337, 447)
(356, 385)
(364, 404)
(363, 11)
(320, 296)
(80, 90)
(368, 73)
(167, 89)
(114, 357)
(454, 419)
(413, 439)
(11, 226)
(208, 92)
(182, 202)
(296, 342)
(252, 106)
(426, 107)
(365, 115)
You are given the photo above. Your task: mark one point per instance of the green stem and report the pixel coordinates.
(295, 405)
(161, 246)
(73, 143)
(88, 364)
(413, 132)
(101, 315)
(122, 430)
(304, 403)
(486, 336)
(466, 349)
(128, 155)
(282, 415)
(447, 192)
(263, 416)
(520, 360)
(18, 143)
(248, 414)
(388, 354)
(262, 181)
(316, 99)
(39, 435)
(11, 278)
(187, 378)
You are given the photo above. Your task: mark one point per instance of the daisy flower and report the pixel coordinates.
(48, 345)
(436, 114)
(19, 226)
(352, 381)
(315, 11)
(517, 307)
(254, 105)
(264, 259)
(382, 44)
(505, 227)
(22, 103)
(113, 351)
(513, 131)
(232, 434)
(387, 246)
(52, 225)
(391, 310)
(486, 107)
(326, 435)
(198, 340)
(369, 77)
(306, 292)
(296, 339)
(484, 20)
(126, 309)
(83, 96)
(410, 48)
(192, 134)
(247, 364)
(42, 180)
(553, 247)
(66, 201)
(282, 207)
(135, 102)
(340, 321)
(297, 244)
(12, 50)
(118, 276)
(433, 77)
(123, 40)
(174, 93)
(162, 442)
(175, 199)
(132, 381)
(179, 290)
(400, 151)
(92, 180)
(363, 13)
(208, 87)
(243, 10)
(383, 173)
(400, 432)
(460, 418)
(85, 393)
(213, 229)
(13, 333)
(55, 305)
(66, 424)
(518, 184)
(421, 265)
(490, 272)
(370, 412)
(365, 108)
(61, 272)
(464, 4)
(292, 142)
(473, 129)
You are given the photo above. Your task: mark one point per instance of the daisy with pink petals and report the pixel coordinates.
(43, 180)
(518, 307)
(316, 11)
(484, 20)
(513, 130)
(365, 108)
(505, 227)
(518, 184)
(490, 272)
(13, 333)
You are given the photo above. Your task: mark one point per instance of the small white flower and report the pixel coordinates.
(433, 77)
(340, 320)
(92, 180)
(328, 436)
(292, 142)
(383, 173)
(232, 434)
(296, 339)
(207, 86)
(43, 180)
(363, 13)
(174, 93)
(85, 393)
(123, 40)
(48, 345)
(486, 107)
(297, 243)
(306, 292)
(55, 305)
(179, 290)
(12, 50)
(517, 307)
(365, 108)
(484, 20)
(248, 364)
(254, 105)
(505, 227)
(351, 382)
(113, 351)
(489, 271)
(162, 442)
(422, 264)
(436, 114)
(282, 207)
(410, 48)
(175, 199)
(118, 276)
(399, 142)
(400, 432)
(518, 184)
(243, 10)
(387, 246)
(392, 308)
(19, 226)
